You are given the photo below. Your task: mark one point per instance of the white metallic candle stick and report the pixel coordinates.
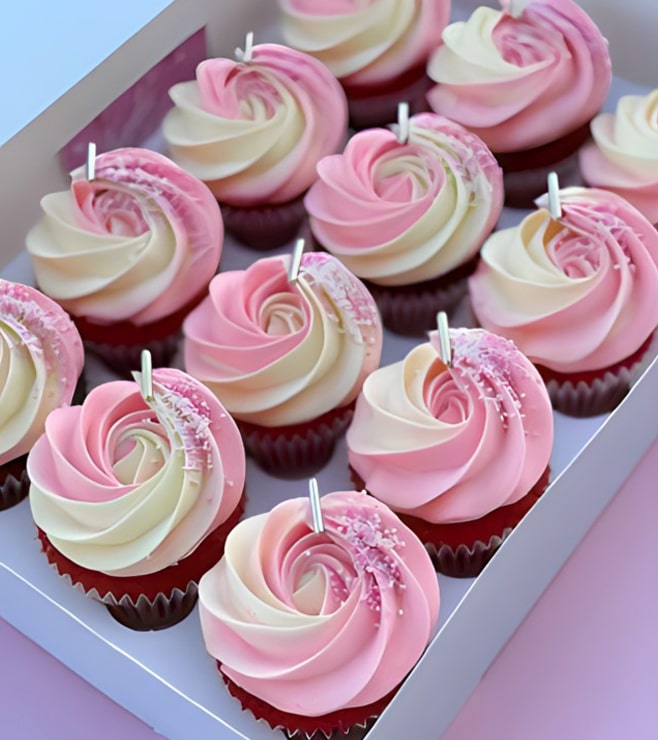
(516, 8)
(146, 377)
(245, 55)
(403, 123)
(445, 350)
(90, 170)
(295, 261)
(554, 205)
(316, 509)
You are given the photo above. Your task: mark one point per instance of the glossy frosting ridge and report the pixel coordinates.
(254, 130)
(452, 444)
(129, 488)
(278, 353)
(41, 359)
(136, 243)
(520, 82)
(402, 212)
(365, 42)
(575, 294)
(624, 154)
(313, 623)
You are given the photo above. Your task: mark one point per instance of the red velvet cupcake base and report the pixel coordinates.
(462, 549)
(377, 104)
(525, 173)
(120, 345)
(14, 483)
(596, 392)
(298, 450)
(153, 601)
(410, 310)
(267, 226)
(298, 726)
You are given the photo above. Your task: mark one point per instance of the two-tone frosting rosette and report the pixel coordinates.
(133, 497)
(578, 294)
(41, 360)
(377, 49)
(128, 253)
(527, 80)
(461, 452)
(315, 630)
(624, 154)
(286, 358)
(253, 131)
(408, 214)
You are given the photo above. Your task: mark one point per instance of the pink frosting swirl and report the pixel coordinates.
(129, 488)
(137, 243)
(312, 623)
(278, 353)
(254, 131)
(624, 154)
(453, 444)
(398, 212)
(365, 42)
(41, 359)
(520, 82)
(577, 294)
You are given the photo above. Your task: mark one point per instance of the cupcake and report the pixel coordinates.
(378, 49)
(128, 253)
(528, 84)
(286, 358)
(314, 631)
(461, 452)
(408, 216)
(133, 498)
(253, 131)
(41, 360)
(578, 295)
(623, 157)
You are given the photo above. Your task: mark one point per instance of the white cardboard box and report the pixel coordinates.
(166, 678)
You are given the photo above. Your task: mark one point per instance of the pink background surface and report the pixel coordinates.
(582, 666)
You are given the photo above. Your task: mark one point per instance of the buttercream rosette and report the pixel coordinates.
(623, 157)
(253, 131)
(527, 84)
(133, 499)
(377, 49)
(460, 452)
(286, 358)
(314, 631)
(41, 360)
(578, 295)
(129, 252)
(408, 216)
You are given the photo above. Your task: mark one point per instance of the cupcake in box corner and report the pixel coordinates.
(578, 295)
(41, 360)
(408, 214)
(286, 358)
(314, 631)
(377, 49)
(128, 253)
(133, 495)
(623, 157)
(527, 80)
(461, 451)
(253, 131)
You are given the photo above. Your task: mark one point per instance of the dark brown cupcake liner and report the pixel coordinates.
(410, 310)
(298, 450)
(144, 614)
(267, 226)
(324, 727)
(14, 483)
(124, 358)
(377, 104)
